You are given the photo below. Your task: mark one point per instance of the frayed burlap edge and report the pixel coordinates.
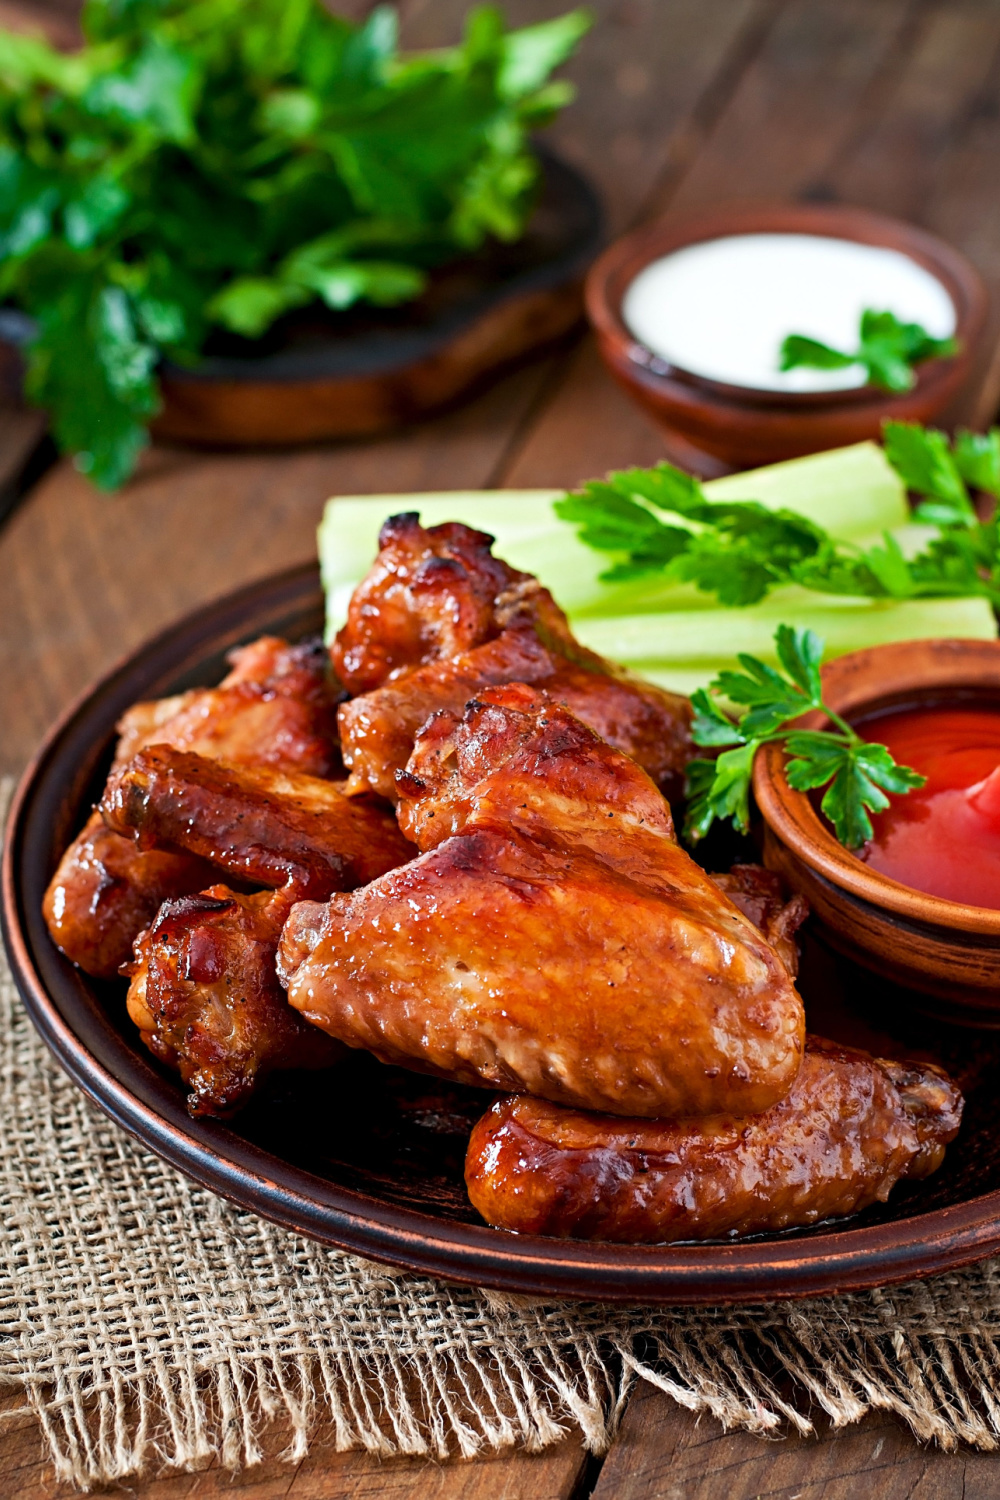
(152, 1325)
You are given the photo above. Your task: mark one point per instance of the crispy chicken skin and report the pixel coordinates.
(849, 1130)
(204, 992)
(761, 898)
(207, 1001)
(276, 707)
(261, 825)
(433, 593)
(438, 618)
(553, 937)
(106, 890)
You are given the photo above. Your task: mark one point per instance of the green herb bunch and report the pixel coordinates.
(887, 348)
(220, 162)
(857, 775)
(740, 550)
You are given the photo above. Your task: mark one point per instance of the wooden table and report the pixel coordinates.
(890, 103)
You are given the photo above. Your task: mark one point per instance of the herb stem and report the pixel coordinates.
(850, 735)
(857, 775)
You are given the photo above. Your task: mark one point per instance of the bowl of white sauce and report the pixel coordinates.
(691, 315)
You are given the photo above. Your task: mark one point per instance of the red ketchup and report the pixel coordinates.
(945, 837)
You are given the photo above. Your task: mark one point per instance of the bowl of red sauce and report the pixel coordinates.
(920, 903)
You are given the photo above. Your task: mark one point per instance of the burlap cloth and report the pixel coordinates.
(150, 1324)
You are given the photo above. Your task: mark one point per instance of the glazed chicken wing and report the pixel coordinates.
(761, 898)
(553, 937)
(204, 991)
(105, 891)
(276, 707)
(260, 825)
(438, 618)
(206, 998)
(849, 1130)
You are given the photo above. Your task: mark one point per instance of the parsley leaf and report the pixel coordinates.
(857, 775)
(798, 349)
(739, 550)
(93, 365)
(719, 789)
(659, 520)
(887, 348)
(925, 463)
(710, 725)
(201, 163)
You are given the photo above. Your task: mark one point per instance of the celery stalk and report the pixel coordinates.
(672, 633)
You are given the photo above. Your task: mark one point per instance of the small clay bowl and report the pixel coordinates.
(718, 427)
(945, 949)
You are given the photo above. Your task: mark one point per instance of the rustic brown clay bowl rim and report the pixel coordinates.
(116, 1075)
(938, 669)
(613, 272)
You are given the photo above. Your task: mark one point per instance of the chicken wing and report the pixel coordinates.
(105, 891)
(430, 595)
(438, 618)
(849, 1130)
(761, 897)
(206, 998)
(553, 937)
(204, 991)
(276, 707)
(264, 826)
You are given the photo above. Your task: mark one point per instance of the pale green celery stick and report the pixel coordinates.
(849, 491)
(671, 633)
(684, 649)
(852, 492)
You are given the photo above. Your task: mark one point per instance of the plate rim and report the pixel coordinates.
(214, 1155)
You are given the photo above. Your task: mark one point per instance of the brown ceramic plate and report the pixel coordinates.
(374, 1165)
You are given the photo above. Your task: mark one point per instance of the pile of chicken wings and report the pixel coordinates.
(448, 841)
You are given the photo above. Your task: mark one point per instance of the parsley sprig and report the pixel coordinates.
(201, 168)
(857, 774)
(887, 348)
(659, 520)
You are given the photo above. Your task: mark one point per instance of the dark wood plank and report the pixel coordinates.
(586, 427)
(665, 1453)
(927, 153)
(798, 101)
(84, 577)
(650, 75)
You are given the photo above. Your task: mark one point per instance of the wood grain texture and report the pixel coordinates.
(84, 577)
(925, 154)
(665, 1453)
(891, 103)
(651, 77)
(797, 102)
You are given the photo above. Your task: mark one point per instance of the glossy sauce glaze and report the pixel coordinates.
(943, 838)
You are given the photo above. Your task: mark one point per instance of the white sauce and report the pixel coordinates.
(721, 309)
